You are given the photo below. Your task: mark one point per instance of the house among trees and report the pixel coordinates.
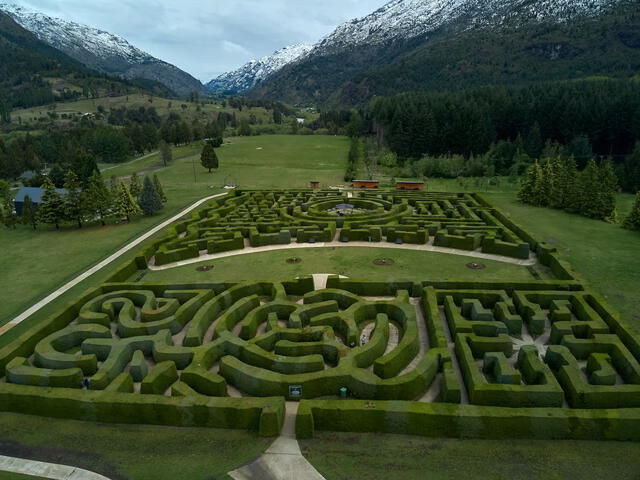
(35, 194)
(28, 175)
(410, 185)
(365, 184)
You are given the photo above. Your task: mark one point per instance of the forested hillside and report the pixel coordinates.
(33, 73)
(514, 52)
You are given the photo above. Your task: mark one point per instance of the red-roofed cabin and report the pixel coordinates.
(365, 184)
(410, 185)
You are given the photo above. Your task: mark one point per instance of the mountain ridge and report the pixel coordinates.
(101, 50)
(406, 39)
(254, 71)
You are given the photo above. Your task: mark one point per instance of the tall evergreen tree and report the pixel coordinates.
(531, 186)
(572, 186)
(165, 153)
(149, 200)
(548, 183)
(590, 185)
(209, 158)
(134, 185)
(632, 221)
(29, 213)
(607, 192)
(558, 191)
(51, 209)
(126, 206)
(74, 204)
(159, 189)
(99, 199)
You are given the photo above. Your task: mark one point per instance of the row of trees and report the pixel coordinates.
(81, 148)
(587, 118)
(96, 201)
(557, 183)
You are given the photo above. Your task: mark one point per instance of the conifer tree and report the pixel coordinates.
(51, 210)
(632, 221)
(134, 186)
(125, 205)
(29, 215)
(590, 185)
(531, 187)
(159, 189)
(547, 183)
(149, 200)
(559, 183)
(74, 205)
(607, 192)
(208, 158)
(99, 198)
(572, 186)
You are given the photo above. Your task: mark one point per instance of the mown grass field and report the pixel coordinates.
(353, 262)
(139, 452)
(36, 263)
(342, 456)
(163, 107)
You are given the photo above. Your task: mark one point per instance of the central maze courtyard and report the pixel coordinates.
(538, 359)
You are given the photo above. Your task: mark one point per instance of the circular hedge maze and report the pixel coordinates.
(538, 359)
(261, 218)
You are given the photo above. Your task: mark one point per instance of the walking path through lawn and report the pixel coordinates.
(46, 470)
(429, 247)
(30, 311)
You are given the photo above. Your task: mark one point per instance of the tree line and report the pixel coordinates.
(585, 118)
(81, 148)
(79, 204)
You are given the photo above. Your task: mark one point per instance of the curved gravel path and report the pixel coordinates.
(429, 247)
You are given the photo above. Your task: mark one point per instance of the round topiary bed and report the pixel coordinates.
(383, 262)
(476, 266)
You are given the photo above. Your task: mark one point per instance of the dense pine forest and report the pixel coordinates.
(495, 128)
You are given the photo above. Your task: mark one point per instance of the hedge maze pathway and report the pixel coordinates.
(538, 359)
(252, 220)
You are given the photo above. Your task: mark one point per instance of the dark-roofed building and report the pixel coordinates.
(35, 194)
(28, 175)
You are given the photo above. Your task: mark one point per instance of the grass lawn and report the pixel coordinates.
(345, 456)
(130, 451)
(191, 112)
(354, 262)
(36, 263)
(607, 256)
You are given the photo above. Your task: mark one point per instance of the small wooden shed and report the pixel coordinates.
(314, 185)
(365, 184)
(410, 185)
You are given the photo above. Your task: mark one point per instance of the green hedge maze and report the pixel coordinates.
(543, 359)
(258, 218)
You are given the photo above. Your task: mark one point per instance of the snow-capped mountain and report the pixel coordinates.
(417, 44)
(404, 19)
(101, 50)
(253, 72)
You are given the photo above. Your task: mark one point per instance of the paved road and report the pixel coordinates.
(46, 470)
(26, 314)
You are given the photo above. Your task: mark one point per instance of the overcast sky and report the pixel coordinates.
(207, 38)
